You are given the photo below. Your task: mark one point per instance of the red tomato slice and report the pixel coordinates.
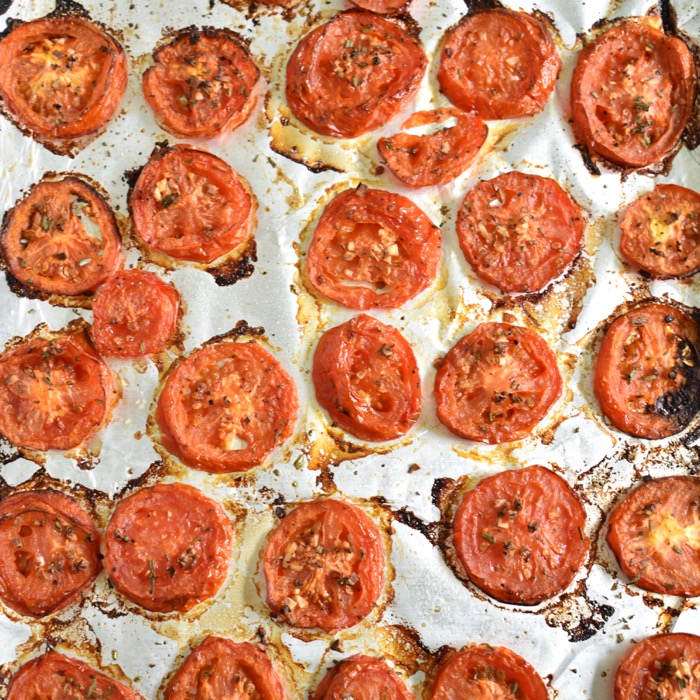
(661, 232)
(324, 566)
(373, 249)
(632, 94)
(226, 407)
(499, 63)
(201, 83)
(353, 74)
(220, 668)
(55, 675)
(49, 552)
(134, 314)
(62, 238)
(168, 547)
(519, 535)
(366, 376)
(362, 678)
(655, 534)
(62, 77)
(191, 205)
(519, 232)
(665, 666)
(383, 7)
(488, 673)
(435, 159)
(497, 383)
(54, 394)
(647, 373)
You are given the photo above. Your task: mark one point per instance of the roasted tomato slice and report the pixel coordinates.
(55, 675)
(134, 314)
(62, 77)
(49, 551)
(661, 232)
(324, 566)
(382, 7)
(373, 250)
(519, 232)
(54, 394)
(366, 377)
(226, 407)
(62, 238)
(499, 63)
(220, 668)
(168, 547)
(665, 666)
(201, 83)
(655, 534)
(353, 74)
(632, 94)
(488, 673)
(191, 205)
(497, 383)
(647, 375)
(519, 535)
(361, 678)
(438, 158)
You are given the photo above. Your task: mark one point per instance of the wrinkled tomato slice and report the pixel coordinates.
(220, 668)
(324, 566)
(55, 675)
(632, 94)
(191, 205)
(661, 232)
(382, 7)
(49, 551)
(226, 407)
(519, 232)
(519, 535)
(62, 238)
(373, 250)
(201, 83)
(488, 673)
(655, 534)
(647, 376)
(497, 383)
(168, 547)
(366, 376)
(665, 666)
(362, 678)
(438, 158)
(353, 74)
(54, 394)
(499, 63)
(134, 314)
(62, 77)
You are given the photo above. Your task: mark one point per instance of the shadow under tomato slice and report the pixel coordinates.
(55, 675)
(497, 383)
(438, 158)
(366, 376)
(324, 566)
(499, 64)
(664, 666)
(632, 94)
(191, 205)
(62, 77)
(49, 551)
(226, 407)
(647, 373)
(362, 678)
(202, 82)
(655, 534)
(353, 74)
(62, 238)
(373, 249)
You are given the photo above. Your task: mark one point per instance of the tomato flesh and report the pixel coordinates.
(362, 678)
(383, 7)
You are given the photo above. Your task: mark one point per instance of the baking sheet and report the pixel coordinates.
(574, 641)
